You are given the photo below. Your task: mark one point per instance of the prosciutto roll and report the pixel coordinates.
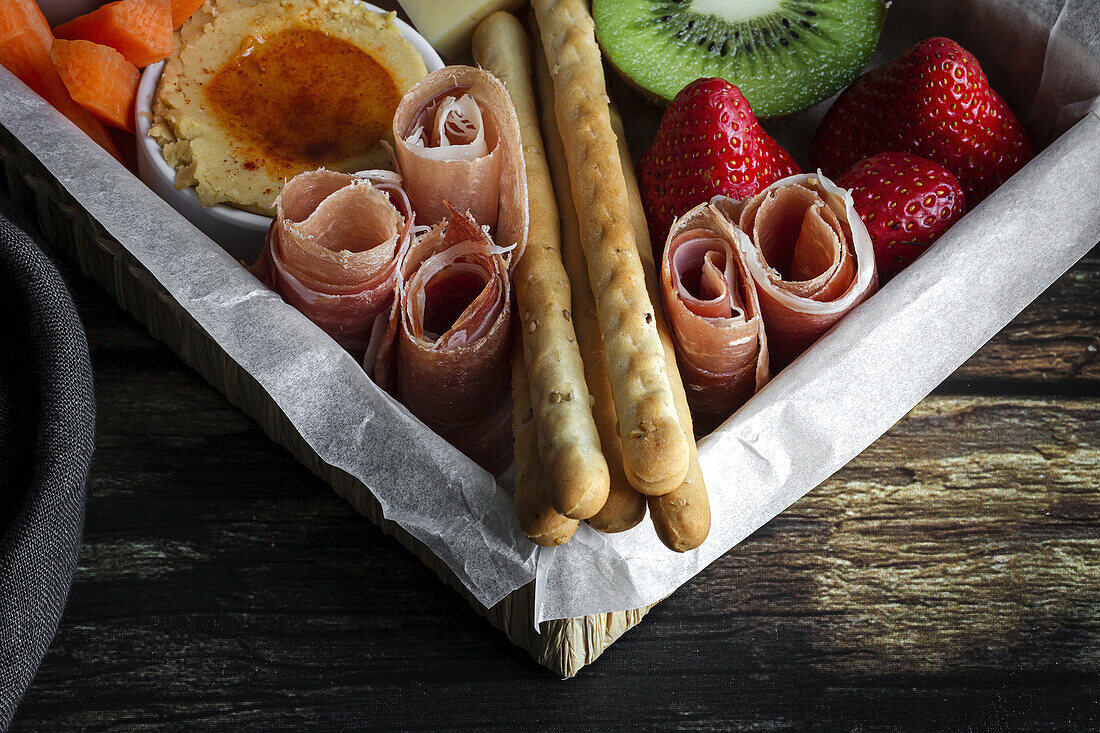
(333, 249)
(810, 256)
(446, 355)
(713, 310)
(457, 141)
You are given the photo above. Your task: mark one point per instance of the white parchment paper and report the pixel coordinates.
(886, 356)
(423, 483)
(823, 410)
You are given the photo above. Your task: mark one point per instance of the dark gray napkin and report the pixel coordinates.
(47, 433)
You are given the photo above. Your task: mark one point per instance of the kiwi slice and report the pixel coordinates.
(784, 55)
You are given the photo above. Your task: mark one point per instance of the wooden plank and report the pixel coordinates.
(949, 575)
(965, 540)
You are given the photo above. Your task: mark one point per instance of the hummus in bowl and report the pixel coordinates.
(257, 92)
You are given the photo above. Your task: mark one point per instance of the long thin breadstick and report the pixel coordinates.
(655, 448)
(573, 467)
(681, 517)
(536, 516)
(625, 507)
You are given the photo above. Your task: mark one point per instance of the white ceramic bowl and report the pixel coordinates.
(240, 233)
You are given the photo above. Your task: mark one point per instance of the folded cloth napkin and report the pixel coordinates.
(47, 433)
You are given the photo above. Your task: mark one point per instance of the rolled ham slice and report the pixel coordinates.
(809, 255)
(457, 141)
(712, 307)
(446, 354)
(333, 249)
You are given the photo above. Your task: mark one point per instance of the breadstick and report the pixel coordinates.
(655, 449)
(681, 517)
(536, 516)
(574, 471)
(625, 507)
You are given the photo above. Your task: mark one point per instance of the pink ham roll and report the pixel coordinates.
(713, 310)
(333, 249)
(457, 142)
(810, 256)
(446, 352)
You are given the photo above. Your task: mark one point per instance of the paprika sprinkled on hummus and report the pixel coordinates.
(256, 93)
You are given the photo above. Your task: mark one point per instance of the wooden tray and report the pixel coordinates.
(564, 646)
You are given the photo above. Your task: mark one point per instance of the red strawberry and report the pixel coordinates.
(709, 143)
(907, 202)
(935, 102)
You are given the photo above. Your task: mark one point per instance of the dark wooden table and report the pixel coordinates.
(948, 577)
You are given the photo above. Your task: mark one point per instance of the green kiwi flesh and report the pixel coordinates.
(784, 55)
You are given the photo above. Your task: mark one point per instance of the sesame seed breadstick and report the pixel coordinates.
(655, 449)
(681, 517)
(537, 518)
(574, 471)
(625, 507)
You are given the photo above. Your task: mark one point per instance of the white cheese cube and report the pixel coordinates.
(449, 24)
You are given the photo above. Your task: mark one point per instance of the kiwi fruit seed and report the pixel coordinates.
(784, 55)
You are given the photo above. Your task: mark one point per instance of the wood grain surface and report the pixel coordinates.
(949, 577)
